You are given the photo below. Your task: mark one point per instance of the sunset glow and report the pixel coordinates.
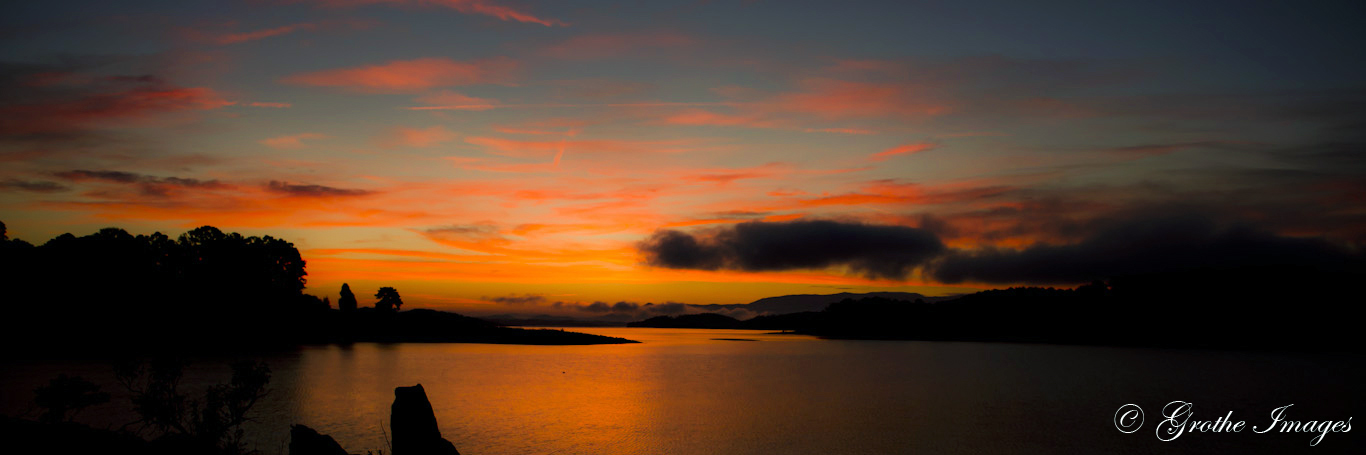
(528, 157)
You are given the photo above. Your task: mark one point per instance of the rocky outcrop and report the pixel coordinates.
(414, 425)
(306, 441)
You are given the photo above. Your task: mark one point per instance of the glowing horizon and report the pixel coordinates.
(468, 153)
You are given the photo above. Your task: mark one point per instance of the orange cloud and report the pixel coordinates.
(817, 100)
(136, 98)
(879, 196)
(535, 132)
(512, 147)
(839, 130)
(568, 105)
(481, 7)
(192, 202)
(836, 99)
(700, 117)
(414, 137)
(853, 199)
(726, 176)
(529, 229)
(703, 222)
(292, 141)
(393, 252)
(488, 239)
(484, 165)
(406, 76)
(906, 149)
(272, 105)
(449, 100)
(757, 115)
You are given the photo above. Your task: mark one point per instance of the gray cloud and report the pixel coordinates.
(665, 308)
(290, 189)
(604, 307)
(465, 230)
(876, 251)
(1147, 241)
(514, 299)
(149, 185)
(32, 186)
(1143, 245)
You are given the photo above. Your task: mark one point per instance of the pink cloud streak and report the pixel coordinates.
(406, 76)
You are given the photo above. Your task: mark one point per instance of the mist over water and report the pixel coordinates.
(683, 391)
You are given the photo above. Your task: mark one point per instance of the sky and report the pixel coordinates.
(533, 157)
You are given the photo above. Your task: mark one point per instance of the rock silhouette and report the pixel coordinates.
(307, 441)
(414, 425)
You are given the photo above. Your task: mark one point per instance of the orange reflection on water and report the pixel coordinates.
(609, 399)
(487, 398)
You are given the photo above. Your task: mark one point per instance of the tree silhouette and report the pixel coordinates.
(388, 299)
(62, 398)
(5, 241)
(202, 286)
(347, 301)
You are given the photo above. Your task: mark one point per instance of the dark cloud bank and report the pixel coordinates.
(38, 186)
(297, 190)
(149, 185)
(871, 250)
(1121, 247)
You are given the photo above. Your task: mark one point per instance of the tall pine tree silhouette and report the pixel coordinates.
(347, 302)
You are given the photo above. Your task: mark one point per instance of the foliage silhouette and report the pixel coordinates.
(212, 424)
(65, 396)
(204, 287)
(110, 291)
(389, 299)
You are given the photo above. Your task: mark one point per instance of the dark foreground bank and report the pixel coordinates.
(412, 427)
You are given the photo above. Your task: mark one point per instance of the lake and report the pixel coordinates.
(683, 391)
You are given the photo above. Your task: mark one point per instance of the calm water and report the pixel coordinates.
(682, 392)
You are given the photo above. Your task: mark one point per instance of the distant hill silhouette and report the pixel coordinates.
(766, 307)
(809, 302)
(1249, 307)
(694, 321)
